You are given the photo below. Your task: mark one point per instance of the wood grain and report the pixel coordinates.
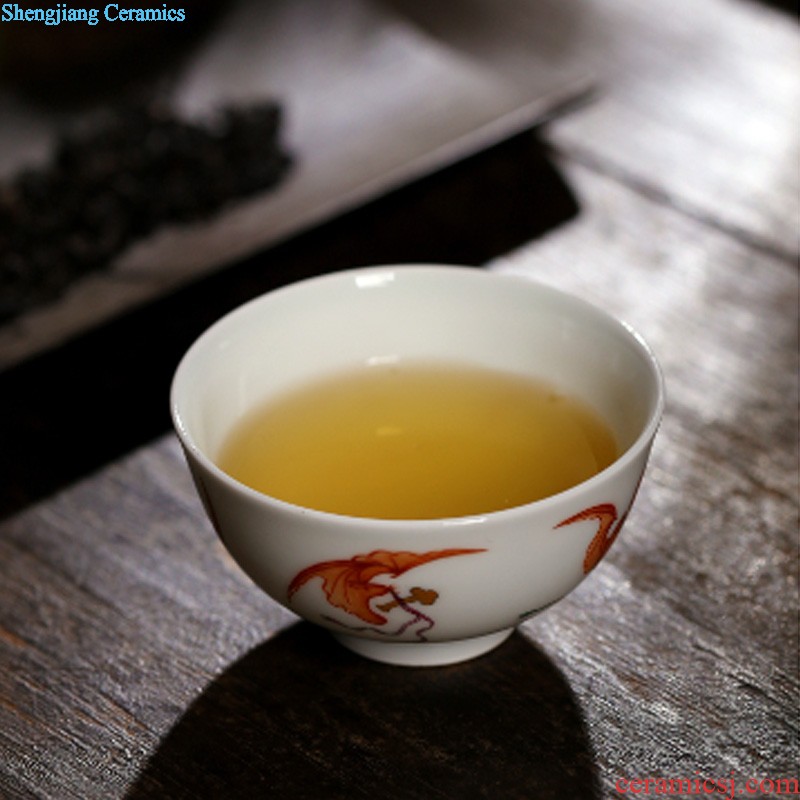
(697, 112)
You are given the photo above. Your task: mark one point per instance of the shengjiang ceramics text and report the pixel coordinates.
(111, 12)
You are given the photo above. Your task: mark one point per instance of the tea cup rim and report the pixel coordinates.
(642, 441)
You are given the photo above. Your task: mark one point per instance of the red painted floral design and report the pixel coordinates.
(348, 583)
(605, 514)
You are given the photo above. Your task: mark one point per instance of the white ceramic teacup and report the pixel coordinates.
(483, 574)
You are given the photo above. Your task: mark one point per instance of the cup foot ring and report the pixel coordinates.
(423, 654)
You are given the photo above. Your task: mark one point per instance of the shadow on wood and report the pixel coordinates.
(301, 717)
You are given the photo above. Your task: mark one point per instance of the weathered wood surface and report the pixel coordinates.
(698, 112)
(136, 660)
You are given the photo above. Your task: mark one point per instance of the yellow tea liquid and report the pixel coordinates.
(418, 441)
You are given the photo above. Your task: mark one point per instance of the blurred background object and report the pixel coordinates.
(177, 143)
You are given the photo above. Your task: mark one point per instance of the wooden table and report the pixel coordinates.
(136, 660)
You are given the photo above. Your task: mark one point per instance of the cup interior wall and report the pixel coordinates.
(307, 331)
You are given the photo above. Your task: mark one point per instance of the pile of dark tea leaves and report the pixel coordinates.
(117, 179)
